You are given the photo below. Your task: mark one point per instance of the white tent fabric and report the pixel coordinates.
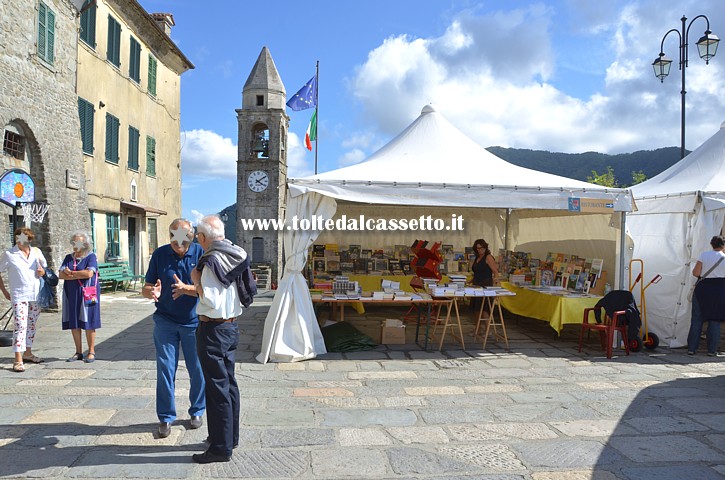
(431, 163)
(291, 333)
(679, 210)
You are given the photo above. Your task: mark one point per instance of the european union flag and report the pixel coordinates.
(306, 97)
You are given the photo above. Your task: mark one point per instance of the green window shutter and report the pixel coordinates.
(42, 11)
(88, 24)
(151, 156)
(134, 60)
(112, 125)
(50, 55)
(133, 137)
(89, 128)
(113, 47)
(85, 114)
(109, 137)
(152, 76)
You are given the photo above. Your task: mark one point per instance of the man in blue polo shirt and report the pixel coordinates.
(168, 283)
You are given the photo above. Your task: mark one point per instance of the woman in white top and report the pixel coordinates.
(24, 266)
(708, 304)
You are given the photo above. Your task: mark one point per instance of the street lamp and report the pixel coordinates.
(706, 46)
(224, 217)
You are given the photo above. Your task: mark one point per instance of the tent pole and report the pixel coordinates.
(506, 231)
(622, 247)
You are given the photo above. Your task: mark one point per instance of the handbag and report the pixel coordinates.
(6, 336)
(90, 292)
(50, 277)
(692, 289)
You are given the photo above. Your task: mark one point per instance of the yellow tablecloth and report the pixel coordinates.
(556, 310)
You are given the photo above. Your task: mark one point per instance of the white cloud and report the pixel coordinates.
(196, 216)
(496, 77)
(208, 154)
(298, 162)
(352, 157)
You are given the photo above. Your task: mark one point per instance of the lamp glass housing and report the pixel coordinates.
(707, 46)
(662, 66)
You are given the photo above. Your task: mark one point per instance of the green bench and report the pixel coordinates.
(117, 274)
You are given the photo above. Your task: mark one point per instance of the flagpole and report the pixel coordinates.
(317, 82)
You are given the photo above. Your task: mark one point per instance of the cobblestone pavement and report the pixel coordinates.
(541, 411)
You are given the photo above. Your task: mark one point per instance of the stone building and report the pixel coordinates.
(262, 162)
(39, 117)
(128, 100)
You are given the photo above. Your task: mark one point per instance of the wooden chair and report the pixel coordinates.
(606, 329)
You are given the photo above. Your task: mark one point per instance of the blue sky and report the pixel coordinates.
(567, 75)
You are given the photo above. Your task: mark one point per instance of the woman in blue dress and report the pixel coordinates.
(79, 269)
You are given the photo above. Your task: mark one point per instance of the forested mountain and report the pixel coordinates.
(580, 165)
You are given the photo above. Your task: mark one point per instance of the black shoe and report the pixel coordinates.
(209, 441)
(690, 353)
(164, 429)
(208, 457)
(196, 422)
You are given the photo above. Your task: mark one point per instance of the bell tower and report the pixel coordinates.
(262, 162)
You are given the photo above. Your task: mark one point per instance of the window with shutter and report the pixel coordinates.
(152, 76)
(86, 114)
(113, 47)
(46, 33)
(88, 23)
(133, 137)
(134, 61)
(112, 125)
(113, 235)
(151, 156)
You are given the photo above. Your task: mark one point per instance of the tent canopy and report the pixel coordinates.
(678, 211)
(433, 163)
(701, 173)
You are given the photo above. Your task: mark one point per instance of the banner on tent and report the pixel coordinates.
(590, 205)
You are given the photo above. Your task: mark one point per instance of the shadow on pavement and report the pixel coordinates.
(35, 449)
(670, 431)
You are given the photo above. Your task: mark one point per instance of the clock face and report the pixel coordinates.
(258, 181)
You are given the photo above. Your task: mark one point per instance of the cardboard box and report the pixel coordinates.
(392, 332)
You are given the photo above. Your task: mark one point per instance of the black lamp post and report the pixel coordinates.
(706, 47)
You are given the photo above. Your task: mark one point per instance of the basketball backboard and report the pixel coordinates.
(16, 186)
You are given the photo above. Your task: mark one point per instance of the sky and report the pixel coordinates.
(567, 76)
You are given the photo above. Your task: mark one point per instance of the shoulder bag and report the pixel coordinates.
(692, 289)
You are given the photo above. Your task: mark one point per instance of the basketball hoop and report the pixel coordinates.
(34, 212)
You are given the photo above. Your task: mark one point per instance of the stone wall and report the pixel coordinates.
(41, 100)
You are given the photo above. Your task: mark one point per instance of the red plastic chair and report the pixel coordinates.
(606, 329)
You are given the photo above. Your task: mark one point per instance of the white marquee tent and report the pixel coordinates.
(679, 211)
(430, 164)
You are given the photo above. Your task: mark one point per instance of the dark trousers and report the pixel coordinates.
(216, 344)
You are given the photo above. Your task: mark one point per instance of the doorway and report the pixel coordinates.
(132, 257)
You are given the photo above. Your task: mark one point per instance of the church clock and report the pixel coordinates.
(258, 181)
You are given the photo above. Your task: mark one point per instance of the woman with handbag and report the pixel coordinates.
(708, 301)
(81, 295)
(25, 266)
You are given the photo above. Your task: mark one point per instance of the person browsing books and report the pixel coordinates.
(484, 271)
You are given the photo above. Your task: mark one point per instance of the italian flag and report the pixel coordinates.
(311, 134)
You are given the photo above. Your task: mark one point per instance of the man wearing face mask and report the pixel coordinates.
(168, 283)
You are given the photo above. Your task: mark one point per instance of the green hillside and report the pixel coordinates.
(580, 165)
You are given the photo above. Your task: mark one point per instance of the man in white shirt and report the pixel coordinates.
(218, 285)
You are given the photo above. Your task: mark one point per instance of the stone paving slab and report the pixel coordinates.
(540, 411)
